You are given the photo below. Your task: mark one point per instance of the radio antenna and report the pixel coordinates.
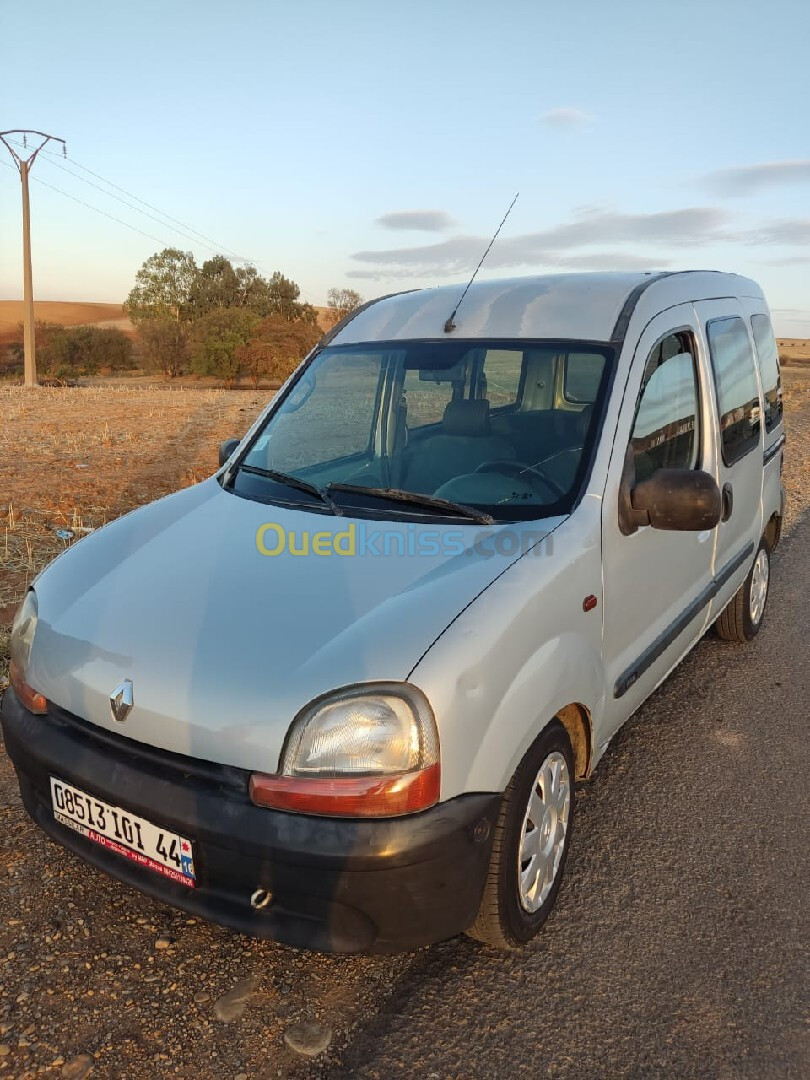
(450, 326)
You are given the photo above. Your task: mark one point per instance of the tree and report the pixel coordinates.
(165, 344)
(184, 311)
(163, 287)
(215, 339)
(283, 300)
(276, 347)
(254, 290)
(342, 302)
(215, 286)
(64, 352)
(112, 349)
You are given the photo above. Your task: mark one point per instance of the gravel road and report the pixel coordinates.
(679, 946)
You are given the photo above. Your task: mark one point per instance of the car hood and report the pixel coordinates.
(225, 645)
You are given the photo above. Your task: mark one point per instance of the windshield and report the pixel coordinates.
(502, 427)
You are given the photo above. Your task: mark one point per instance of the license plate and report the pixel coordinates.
(125, 833)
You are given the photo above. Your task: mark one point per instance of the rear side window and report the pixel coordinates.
(665, 431)
(768, 356)
(737, 391)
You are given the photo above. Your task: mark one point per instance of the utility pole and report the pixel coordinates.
(24, 165)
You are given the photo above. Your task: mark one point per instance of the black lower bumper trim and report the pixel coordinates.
(336, 885)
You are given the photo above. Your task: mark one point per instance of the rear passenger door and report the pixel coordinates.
(771, 379)
(739, 428)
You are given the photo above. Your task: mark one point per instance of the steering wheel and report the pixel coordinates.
(518, 469)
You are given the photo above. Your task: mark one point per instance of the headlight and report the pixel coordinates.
(22, 639)
(371, 750)
(363, 732)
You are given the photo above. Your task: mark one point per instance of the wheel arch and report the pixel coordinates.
(576, 720)
(563, 680)
(773, 531)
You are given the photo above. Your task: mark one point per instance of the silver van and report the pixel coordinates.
(339, 694)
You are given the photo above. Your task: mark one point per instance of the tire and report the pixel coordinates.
(511, 912)
(741, 619)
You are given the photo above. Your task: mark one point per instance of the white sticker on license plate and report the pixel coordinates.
(125, 833)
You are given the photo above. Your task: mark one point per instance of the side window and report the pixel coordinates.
(737, 392)
(665, 432)
(426, 398)
(583, 374)
(502, 371)
(768, 356)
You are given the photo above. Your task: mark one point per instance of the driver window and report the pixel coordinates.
(665, 432)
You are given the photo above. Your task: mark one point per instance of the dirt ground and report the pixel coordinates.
(794, 350)
(88, 966)
(66, 313)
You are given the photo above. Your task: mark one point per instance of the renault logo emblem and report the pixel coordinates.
(121, 701)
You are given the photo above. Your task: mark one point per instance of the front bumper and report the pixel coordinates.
(338, 885)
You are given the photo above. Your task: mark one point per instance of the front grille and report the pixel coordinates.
(164, 764)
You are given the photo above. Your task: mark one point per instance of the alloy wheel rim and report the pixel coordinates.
(759, 587)
(545, 826)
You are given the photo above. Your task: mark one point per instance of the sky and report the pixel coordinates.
(377, 145)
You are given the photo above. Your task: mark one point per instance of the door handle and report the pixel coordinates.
(728, 502)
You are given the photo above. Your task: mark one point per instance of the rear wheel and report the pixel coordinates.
(742, 618)
(530, 845)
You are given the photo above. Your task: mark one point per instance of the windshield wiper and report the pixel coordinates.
(294, 482)
(430, 501)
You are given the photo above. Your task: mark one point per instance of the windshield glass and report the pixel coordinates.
(500, 426)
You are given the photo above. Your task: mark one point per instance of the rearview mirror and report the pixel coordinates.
(300, 393)
(226, 449)
(682, 500)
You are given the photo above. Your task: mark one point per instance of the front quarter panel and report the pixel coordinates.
(521, 652)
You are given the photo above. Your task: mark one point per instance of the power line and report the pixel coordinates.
(189, 234)
(95, 209)
(130, 194)
(143, 202)
(216, 249)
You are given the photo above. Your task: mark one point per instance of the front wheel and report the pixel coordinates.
(741, 619)
(531, 844)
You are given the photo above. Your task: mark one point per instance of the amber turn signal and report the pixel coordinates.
(349, 796)
(28, 697)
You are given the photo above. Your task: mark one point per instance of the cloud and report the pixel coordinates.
(566, 118)
(456, 255)
(607, 260)
(598, 260)
(749, 179)
(418, 220)
(791, 260)
(791, 232)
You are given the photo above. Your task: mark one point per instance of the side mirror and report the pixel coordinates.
(683, 500)
(226, 449)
